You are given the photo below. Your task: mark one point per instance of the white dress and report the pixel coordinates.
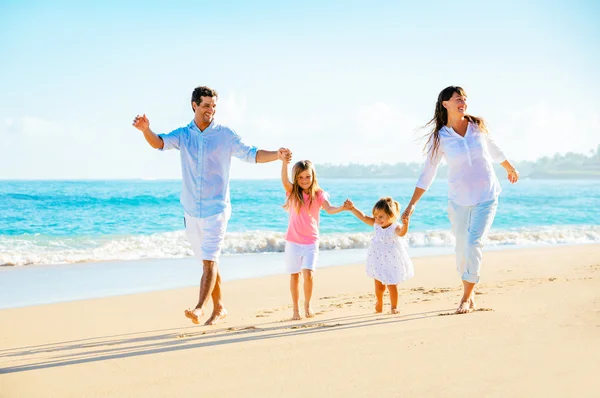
(387, 258)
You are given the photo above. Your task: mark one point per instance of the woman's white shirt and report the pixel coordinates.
(471, 176)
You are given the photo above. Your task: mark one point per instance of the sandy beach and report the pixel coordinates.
(536, 334)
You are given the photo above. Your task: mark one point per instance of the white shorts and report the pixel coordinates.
(299, 257)
(207, 235)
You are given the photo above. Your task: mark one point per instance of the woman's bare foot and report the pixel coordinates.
(395, 311)
(194, 315)
(379, 307)
(309, 312)
(472, 304)
(296, 316)
(216, 316)
(464, 307)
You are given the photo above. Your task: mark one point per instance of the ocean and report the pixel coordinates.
(68, 222)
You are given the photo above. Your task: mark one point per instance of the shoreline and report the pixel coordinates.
(24, 286)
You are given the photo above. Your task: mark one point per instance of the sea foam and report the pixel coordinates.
(36, 249)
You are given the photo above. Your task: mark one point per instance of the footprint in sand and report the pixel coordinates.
(232, 329)
(475, 310)
(315, 325)
(264, 313)
(438, 290)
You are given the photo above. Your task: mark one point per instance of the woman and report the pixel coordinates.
(464, 142)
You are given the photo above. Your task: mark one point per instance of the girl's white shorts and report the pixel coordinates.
(299, 257)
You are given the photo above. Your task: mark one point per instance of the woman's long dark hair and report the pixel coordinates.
(440, 119)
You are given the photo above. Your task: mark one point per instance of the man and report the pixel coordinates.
(206, 149)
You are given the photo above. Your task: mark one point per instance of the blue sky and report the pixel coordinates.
(336, 81)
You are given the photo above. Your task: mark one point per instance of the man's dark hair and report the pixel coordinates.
(202, 91)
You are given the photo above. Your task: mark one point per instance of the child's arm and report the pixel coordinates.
(332, 209)
(348, 205)
(401, 230)
(285, 180)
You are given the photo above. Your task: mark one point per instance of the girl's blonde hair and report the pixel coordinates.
(389, 206)
(296, 197)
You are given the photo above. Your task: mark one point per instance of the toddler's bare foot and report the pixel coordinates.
(296, 315)
(464, 307)
(395, 311)
(194, 315)
(309, 312)
(379, 307)
(216, 316)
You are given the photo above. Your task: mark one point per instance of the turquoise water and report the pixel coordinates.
(50, 222)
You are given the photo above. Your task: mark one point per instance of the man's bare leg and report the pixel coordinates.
(465, 302)
(307, 276)
(393, 289)
(295, 291)
(379, 291)
(219, 311)
(207, 284)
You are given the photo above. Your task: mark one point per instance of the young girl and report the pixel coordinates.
(304, 202)
(388, 262)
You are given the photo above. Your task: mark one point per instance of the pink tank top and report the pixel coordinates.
(303, 227)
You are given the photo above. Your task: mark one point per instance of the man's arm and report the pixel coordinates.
(263, 156)
(143, 124)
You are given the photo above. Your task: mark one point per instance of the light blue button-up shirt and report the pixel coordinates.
(205, 165)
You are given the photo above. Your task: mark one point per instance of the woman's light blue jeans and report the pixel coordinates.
(470, 226)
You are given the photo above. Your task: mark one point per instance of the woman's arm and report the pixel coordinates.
(513, 174)
(427, 176)
(411, 205)
(499, 156)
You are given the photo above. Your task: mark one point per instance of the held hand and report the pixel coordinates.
(407, 213)
(284, 154)
(141, 123)
(513, 176)
(348, 205)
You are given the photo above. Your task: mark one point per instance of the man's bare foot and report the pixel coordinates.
(296, 316)
(464, 307)
(194, 315)
(379, 307)
(395, 311)
(216, 316)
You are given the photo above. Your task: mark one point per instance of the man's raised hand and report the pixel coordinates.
(141, 122)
